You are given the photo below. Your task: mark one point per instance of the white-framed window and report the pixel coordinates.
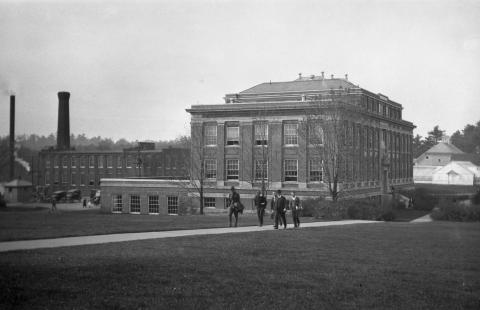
(73, 162)
(55, 162)
(100, 161)
(315, 133)
(315, 170)
(210, 135)
(109, 161)
(233, 135)
(47, 178)
(82, 179)
(74, 179)
(129, 161)
(91, 179)
(117, 204)
(209, 202)
(172, 204)
(91, 161)
(119, 162)
(291, 170)
(153, 204)
(290, 134)
(56, 177)
(232, 169)
(261, 169)
(83, 160)
(134, 204)
(65, 161)
(261, 133)
(47, 162)
(210, 168)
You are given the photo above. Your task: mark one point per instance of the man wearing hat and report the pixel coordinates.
(234, 205)
(281, 208)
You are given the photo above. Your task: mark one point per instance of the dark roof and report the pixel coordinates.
(473, 158)
(444, 148)
(299, 85)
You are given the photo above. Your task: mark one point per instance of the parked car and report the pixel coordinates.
(74, 194)
(59, 195)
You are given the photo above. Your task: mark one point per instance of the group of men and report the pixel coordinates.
(278, 205)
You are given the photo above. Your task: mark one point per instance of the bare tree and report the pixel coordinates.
(325, 131)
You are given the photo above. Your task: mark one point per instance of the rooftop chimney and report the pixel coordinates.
(63, 129)
(12, 138)
(331, 76)
(346, 77)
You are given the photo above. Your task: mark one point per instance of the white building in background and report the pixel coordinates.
(444, 164)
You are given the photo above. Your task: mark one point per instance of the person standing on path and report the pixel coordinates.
(84, 203)
(54, 205)
(234, 206)
(261, 204)
(295, 207)
(281, 208)
(273, 206)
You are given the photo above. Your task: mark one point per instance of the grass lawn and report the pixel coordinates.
(38, 223)
(370, 266)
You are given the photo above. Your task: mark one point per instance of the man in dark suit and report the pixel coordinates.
(280, 208)
(261, 204)
(295, 207)
(234, 206)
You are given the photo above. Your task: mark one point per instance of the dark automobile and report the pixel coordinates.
(59, 195)
(74, 194)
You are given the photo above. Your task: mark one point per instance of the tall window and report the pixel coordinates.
(83, 159)
(233, 134)
(261, 133)
(290, 134)
(91, 161)
(73, 162)
(172, 204)
(119, 162)
(291, 170)
(56, 177)
(55, 162)
(64, 178)
(82, 179)
(117, 204)
(64, 161)
(100, 161)
(129, 161)
(47, 178)
(74, 179)
(134, 204)
(209, 202)
(232, 169)
(153, 204)
(47, 162)
(316, 170)
(210, 135)
(210, 169)
(315, 133)
(109, 161)
(261, 169)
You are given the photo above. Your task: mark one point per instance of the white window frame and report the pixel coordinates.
(47, 178)
(172, 205)
(119, 162)
(109, 161)
(230, 169)
(135, 200)
(210, 166)
(316, 133)
(48, 162)
(117, 203)
(209, 202)
(64, 178)
(100, 160)
(290, 133)
(153, 204)
(233, 135)
(82, 161)
(73, 179)
(290, 175)
(257, 173)
(55, 161)
(261, 134)
(73, 162)
(210, 135)
(312, 163)
(91, 161)
(82, 179)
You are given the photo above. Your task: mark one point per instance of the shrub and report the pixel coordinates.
(476, 198)
(360, 209)
(423, 200)
(310, 207)
(3, 203)
(447, 210)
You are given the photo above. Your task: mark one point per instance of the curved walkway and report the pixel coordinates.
(99, 239)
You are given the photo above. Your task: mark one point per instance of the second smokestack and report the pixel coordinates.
(63, 129)
(12, 138)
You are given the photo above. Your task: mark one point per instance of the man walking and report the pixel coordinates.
(54, 205)
(281, 208)
(261, 204)
(234, 205)
(295, 207)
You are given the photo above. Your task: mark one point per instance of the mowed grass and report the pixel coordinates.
(24, 224)
(369, 266)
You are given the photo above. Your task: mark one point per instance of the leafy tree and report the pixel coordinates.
(468, 140)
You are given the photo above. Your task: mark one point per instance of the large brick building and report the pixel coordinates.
(257, 134)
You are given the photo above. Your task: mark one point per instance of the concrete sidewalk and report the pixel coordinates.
(424, 219)
(99, 239)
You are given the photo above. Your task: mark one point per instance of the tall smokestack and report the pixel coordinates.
(12, 137)
(63, 129)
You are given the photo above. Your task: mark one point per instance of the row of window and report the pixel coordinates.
(153, 204)
(378, 107)
(290, 134)
(290, 170)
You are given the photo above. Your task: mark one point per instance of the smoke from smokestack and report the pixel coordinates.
(25, 164)
(63, 129)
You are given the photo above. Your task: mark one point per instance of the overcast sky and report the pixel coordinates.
(132, 69)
